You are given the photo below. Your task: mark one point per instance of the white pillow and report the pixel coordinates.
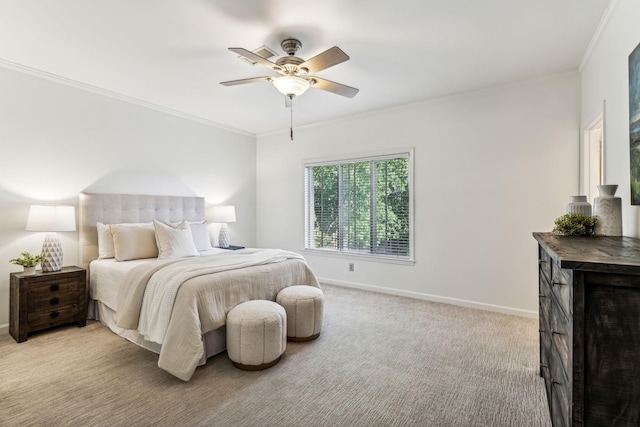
(105, 238)
(134, 241)
(199, 232)
(105, 242)
(174, 242)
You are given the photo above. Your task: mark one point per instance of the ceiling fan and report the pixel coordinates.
(295, 74)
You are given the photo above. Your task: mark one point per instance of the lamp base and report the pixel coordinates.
(223, 237)
(52, 252)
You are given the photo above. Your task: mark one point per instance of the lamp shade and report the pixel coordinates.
(291, 85)
(223, 214)
(51, 218)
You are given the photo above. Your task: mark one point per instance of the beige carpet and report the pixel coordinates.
(381, 361)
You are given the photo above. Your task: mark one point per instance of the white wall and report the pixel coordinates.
(491, 167)
(57, 141)
(605, 77)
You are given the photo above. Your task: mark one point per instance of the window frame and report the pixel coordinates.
(354, 158)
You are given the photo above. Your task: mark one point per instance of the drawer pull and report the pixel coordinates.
(554, 382)
(54, 301)
(556, 333)
(557, 283)
(55, 287)
(542, 296)
(54, 314)
(542, 262)
(542, 330)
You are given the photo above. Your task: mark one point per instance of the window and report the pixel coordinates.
(360, 205)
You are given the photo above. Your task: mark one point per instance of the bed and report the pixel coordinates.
(172, 301)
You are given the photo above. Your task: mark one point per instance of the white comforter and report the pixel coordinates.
(174, 302)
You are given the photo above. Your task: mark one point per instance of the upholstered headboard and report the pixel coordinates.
(125, 208)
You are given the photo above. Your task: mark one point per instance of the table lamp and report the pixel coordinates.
(51, 219)
(223, 215)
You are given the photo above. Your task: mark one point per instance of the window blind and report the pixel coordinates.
(360, 205)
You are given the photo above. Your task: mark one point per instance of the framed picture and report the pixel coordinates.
(634, 123)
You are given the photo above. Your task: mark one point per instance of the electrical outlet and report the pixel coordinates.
(352, 266)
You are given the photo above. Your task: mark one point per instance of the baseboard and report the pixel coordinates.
(434, 298)
(4, 329)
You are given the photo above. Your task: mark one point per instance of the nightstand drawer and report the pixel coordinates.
(47, 289)
(54, 301)
(46, 319)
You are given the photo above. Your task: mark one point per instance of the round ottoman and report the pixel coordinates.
(304, 306)
(256, 334)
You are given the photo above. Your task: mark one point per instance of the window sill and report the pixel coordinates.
(355, 255)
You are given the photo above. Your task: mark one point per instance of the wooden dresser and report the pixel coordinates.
(590, 329)
(47, 300)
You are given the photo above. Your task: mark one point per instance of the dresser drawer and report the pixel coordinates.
(544, 263)
(545, 372)
(561, 285)
(544, 322)
(544, 300)
(47, 319)
(560, 392)
(545, 351)
(559, 406)
(561, 338)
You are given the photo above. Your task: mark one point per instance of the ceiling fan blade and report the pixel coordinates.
(334, 87)
(245, 81)
(326, 59)
(254, 58)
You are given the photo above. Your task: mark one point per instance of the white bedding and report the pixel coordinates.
(161, 289)
(183, 348)
(106, 276)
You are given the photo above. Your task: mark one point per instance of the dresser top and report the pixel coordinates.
(600, 254)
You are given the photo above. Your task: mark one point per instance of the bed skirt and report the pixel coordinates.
(214, 342)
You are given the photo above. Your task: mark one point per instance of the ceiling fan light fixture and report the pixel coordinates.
(291, 85)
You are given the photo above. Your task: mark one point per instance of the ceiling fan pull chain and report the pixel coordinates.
(291, 122)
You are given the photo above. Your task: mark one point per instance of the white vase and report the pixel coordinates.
(52, 252)
(223, 237)
(608, 209)
(579, 204)
(29, 271)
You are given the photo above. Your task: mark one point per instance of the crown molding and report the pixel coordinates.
(115, 95)
(597, 34)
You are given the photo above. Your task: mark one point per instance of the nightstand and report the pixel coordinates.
(47, 300)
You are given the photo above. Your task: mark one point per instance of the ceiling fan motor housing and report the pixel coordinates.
(290, 64)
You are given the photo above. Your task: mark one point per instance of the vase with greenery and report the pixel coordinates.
(28, 261)
(575, 224)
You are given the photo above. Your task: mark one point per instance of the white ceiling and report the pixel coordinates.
(174, 53)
